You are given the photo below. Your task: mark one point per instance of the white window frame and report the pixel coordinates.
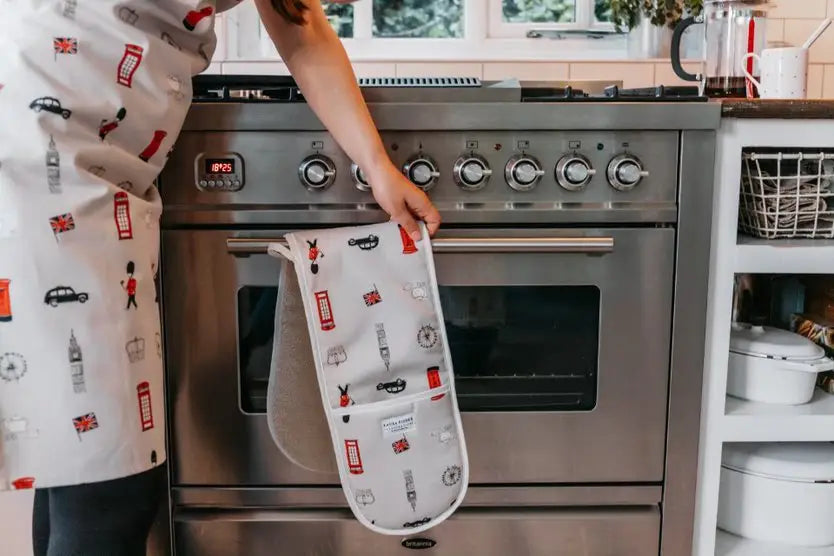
(478, 44)
(584, 20)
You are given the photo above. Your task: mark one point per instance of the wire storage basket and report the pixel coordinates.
(787, 194)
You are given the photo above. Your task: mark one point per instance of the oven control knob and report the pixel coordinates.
(317, 172)
(471, 172)
(625, 172)
(359, 178)
(523, 172)
(574, 172)
(422, 171)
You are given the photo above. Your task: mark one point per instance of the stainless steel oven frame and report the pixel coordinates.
(667, 501)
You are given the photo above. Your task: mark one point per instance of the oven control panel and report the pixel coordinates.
(563, 168)
(536, 172)
(219, 172)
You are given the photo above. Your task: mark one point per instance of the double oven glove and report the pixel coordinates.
(384, 371)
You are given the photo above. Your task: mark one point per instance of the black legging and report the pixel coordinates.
(97, 519)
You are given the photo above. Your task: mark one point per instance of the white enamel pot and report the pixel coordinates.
(773, 366)
(778, 492)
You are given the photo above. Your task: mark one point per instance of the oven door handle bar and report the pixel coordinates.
(588, 245)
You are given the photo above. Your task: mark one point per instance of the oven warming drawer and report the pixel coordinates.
(623, 531)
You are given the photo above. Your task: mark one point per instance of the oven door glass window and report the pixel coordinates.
(514, 348)
(256, 330)
(523, 348)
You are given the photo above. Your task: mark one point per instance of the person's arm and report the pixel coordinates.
(315, 57)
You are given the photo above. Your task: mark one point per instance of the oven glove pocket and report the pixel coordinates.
(384, 372)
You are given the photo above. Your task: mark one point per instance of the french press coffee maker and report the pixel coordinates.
(732, 29)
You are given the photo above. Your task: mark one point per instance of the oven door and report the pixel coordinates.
(559, 338)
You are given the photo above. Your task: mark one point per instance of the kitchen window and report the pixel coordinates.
(423, 19)
(418, 19)
(454, 30)
(341, 18)
(401, 19)
(518, 18)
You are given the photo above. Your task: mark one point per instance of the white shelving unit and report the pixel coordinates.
(730, 545)
(808, 256)
(745, 421)
(723, 418)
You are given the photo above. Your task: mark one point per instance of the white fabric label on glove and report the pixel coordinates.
(399, 425)
(385, 372)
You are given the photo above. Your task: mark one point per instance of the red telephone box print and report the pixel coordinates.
(5, 300)
(131, 59)
(121, 214)
(143, 392)
(433, 375)
(325, 310)
(354, 459)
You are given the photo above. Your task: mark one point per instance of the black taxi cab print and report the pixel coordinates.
(393, 387)
(64, 294)
(50, 104)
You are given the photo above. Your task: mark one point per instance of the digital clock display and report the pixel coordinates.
(220, 165)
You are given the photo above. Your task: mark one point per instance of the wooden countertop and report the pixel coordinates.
(778, 109)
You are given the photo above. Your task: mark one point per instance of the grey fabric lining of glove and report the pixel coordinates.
(294, 412)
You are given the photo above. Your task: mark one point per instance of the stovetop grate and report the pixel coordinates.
(419, 82)
(283, 89)
(613, 93)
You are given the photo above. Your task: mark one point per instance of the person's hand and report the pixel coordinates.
(402, 200)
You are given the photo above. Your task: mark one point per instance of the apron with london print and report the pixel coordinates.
(93, 94)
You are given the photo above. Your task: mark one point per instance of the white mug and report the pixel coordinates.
(784, 72)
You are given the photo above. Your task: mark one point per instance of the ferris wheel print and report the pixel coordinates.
(427, 336)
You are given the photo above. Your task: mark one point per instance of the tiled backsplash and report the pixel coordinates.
(791, 21)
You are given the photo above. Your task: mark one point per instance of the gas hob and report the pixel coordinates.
(246, 88)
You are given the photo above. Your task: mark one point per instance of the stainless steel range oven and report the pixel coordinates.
(567, 230)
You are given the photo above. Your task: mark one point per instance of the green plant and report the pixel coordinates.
(665, 12)
(627, 14)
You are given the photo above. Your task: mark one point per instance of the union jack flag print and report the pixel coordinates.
(85, 423)
(62, 223)
(64, 45)
(372, 297)
(400, 445)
